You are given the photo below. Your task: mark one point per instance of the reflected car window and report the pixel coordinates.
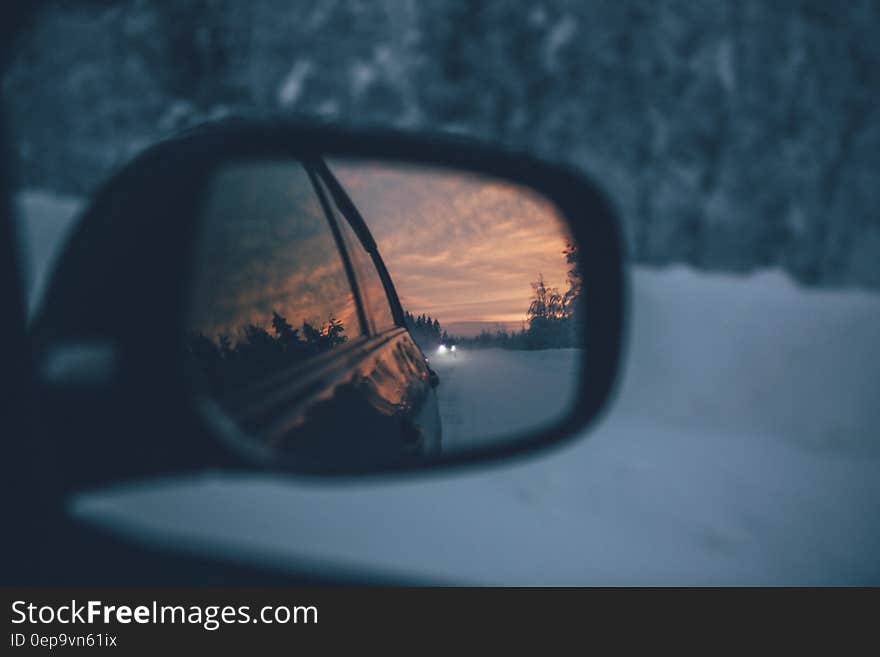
(269, 285)
(370, 284)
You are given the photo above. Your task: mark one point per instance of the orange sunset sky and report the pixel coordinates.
(460, 247)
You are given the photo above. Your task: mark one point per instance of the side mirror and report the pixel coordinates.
(334, 302)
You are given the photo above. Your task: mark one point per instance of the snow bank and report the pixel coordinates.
(742, 449)
(756, 355)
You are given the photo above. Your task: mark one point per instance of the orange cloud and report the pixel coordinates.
(461, 247)
(266, 247)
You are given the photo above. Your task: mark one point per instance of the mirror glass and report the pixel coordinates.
(352, 314)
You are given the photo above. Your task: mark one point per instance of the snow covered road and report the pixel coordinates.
(495, 393)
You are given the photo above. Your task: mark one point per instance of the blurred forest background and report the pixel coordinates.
(731, 135)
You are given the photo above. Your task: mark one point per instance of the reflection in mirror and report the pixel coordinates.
(271, 289)
(355, 315)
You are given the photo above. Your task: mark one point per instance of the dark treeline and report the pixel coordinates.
(426, 331)
(224, 363)
(551, 323)
(553, 319)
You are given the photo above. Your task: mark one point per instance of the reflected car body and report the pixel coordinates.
(370, 402)
(358, 398)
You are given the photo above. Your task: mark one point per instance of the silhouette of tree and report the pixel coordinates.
(334, 332)
(426, 331)
(222, 365)
(287, 335)
(575, 275)
(546, 304)
(573, 298)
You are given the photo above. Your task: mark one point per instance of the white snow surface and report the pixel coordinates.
(742, 448)
(490, 395)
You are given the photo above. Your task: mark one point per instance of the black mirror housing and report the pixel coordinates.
(118, 298)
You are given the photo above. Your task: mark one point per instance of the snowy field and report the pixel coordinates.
(743, 448)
